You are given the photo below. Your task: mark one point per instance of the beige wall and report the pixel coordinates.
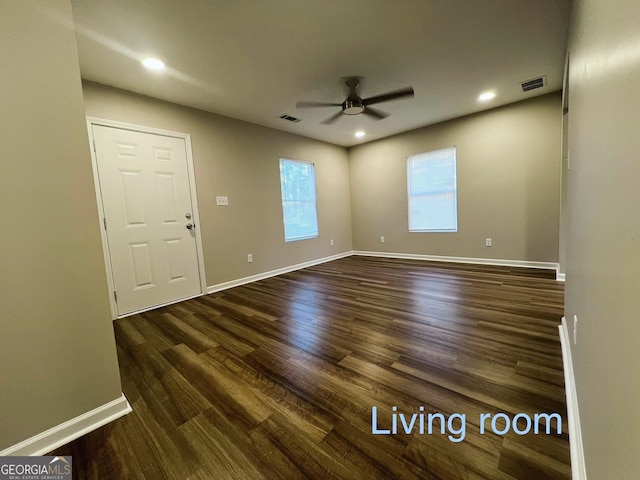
(508, 171)
(57, 350)
(603, 245)
(240, 160)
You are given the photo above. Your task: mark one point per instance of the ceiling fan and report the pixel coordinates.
(354, 105)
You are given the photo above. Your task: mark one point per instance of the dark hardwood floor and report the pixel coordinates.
(277, 379)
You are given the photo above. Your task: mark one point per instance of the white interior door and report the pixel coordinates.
(144, 183)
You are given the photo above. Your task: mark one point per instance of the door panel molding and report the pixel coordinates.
(94, 121)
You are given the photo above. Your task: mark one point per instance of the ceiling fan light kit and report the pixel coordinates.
(355, 105)
(352, 106)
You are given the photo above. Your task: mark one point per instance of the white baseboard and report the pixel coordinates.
(473, 260)
(272, 273)
(578, 467)
(560, 276)
(409, 256)
(70, 430)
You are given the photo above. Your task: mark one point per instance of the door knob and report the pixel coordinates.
(188, 215)
(189, 226)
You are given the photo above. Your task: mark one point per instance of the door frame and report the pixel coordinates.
(91, 121)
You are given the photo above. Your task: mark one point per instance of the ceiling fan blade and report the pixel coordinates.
(332, 118)
(385, 97)
(304, 104)
(375, 113)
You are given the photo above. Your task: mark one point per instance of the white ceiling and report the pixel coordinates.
(253, 59)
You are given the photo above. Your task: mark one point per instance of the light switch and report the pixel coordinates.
(222, 200)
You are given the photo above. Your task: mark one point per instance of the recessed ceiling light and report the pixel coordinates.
(486, 96)
(153, 63)
(360, 134)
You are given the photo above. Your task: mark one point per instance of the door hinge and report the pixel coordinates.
(115, 296)
(94, 146)
(104, 221)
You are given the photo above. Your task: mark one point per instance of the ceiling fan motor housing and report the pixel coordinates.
(352, 106)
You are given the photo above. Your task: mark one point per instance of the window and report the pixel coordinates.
(298, 185)
(431, 179)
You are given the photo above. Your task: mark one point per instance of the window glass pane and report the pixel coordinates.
(431, 179)
(298, 186)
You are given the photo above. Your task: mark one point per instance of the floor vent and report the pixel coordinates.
(284, 116)
(534, 83)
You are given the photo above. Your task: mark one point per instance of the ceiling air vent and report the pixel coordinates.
(534, 83)
(284, 116)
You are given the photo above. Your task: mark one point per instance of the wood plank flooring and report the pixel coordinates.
(277, 379)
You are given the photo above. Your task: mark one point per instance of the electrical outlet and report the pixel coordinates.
(488, 242)
(222, 201)
(250, 258)
(381, 239)
(331, 242)
(575, 329)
